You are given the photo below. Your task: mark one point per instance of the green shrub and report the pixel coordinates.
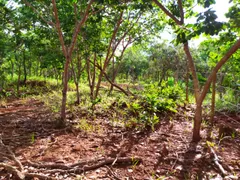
(153, 101)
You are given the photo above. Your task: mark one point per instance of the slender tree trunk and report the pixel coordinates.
(12, 65)
(193, 71)
(91, 78)
(67, 51)
(64, 92)
(76, 84)
(199, 96)
(19, 74)
(177, 71)
(187, 84)
(113, 76)
(24, 68)
(213, 100)
(198, 114)
(94, 74)
(162, 77)
(116, 69)
(197, 123)
(19, 79)
(225, 58)
(221, 84)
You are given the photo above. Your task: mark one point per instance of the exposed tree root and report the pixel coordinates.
(51, 168)
(84, 166)
(13, 170)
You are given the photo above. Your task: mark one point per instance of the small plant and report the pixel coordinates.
(3, 102)
(205, 123)
(101, 150)
(210, 144)
(233, 134)
(95, 102)
(32, 138)
(134, 162)
(84, 125)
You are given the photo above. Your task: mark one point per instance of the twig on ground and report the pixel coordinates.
(175, 162)
(216, 161)
(112, 173)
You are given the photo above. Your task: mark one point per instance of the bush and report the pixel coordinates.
(153, 101)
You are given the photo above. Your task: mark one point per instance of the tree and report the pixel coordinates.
(177, 11)
(63, 15)
(109, 34)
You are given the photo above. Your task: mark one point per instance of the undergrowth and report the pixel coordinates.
(145, 109)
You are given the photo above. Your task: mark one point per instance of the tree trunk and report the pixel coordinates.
(193, 71)
(224, 59)
(198, 116)
(19, 74)
(76, 84)
(176, 74)
(199, 96)
(24, 68)
(19, 79)
(221, 88)
(162, 77)
(12, 65)
(197, 123)
(113, 76)
(64, 93)
(67, 51)
(91, 77)
(213, 100)
(187, 84)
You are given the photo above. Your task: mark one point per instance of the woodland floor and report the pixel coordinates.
(28, 128)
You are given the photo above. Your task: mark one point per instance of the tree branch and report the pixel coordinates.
(167, 12)
(58, 27)
(123, 36)
(224, 59)
(193, 71)
(181, 11)
(78, 27)
(112, 83)
(107, 59)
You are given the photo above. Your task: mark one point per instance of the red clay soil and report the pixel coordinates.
(28, 128)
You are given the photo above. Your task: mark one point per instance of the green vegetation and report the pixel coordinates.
(101, 73)
(77, 56)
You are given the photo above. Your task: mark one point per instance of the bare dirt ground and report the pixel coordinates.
(115, 152)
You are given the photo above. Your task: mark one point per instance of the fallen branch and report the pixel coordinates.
(84, 165)
(47, 166)
(216, 161)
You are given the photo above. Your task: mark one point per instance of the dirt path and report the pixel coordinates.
(28, 128)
